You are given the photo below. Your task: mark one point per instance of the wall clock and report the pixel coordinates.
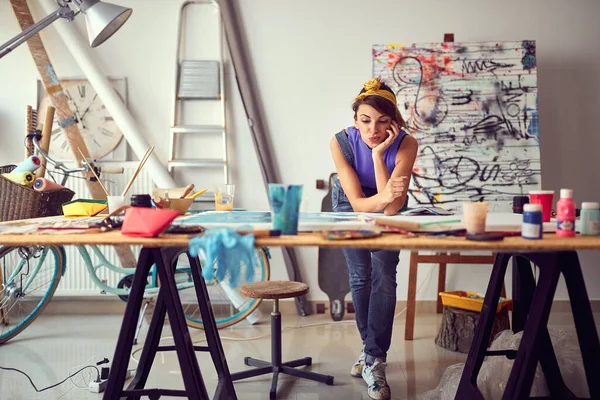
(101, 134)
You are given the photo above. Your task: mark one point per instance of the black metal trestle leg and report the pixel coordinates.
(168, 301)
(532, 309)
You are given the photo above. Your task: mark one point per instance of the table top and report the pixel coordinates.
(550, 242)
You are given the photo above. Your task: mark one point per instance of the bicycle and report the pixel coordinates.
(29, 276)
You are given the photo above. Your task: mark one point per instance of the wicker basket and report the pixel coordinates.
(22, 202)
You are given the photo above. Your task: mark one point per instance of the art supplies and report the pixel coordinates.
(589, 219)
(146, 222)
(198, 193)
(426, 211)
(84, 207)
(30, 164)
(349, 234)
(518, 203)
(137, 171)
(545, 198)
(141, 200)
(44, 185)
(565, 214)
(285, 207)
(533, 226)
(115, 202)
(475, 214)
(24, 178)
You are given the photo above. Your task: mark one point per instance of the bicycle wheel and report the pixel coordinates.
(28, 278)
(229, 306)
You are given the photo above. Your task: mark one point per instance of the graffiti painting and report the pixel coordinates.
(473, 109)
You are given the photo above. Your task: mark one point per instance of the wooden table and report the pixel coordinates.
(552, 255)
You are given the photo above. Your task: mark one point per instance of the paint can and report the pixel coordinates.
(565, 214)
(141, 200)
(589, 219)
(518, 203)
(533, 225)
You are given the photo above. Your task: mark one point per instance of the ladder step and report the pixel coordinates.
(198, 129)
(199, 79)
(207, 162)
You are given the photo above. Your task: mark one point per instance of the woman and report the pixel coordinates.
(374, 160)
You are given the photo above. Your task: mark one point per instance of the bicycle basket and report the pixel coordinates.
(22, 202)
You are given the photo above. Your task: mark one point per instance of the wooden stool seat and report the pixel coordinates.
(274, 289)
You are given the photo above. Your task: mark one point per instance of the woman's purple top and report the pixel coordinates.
(363, 159)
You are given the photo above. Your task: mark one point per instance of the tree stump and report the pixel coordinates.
(458, 328)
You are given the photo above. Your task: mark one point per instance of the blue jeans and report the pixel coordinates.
(372, 276)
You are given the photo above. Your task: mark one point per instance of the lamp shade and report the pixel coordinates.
(103, 20)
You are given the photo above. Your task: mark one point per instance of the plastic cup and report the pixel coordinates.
(115, 202)
(224, 197)
(546, 199)
(285, 207)
(475, 215)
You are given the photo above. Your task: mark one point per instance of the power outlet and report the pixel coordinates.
(98, 387)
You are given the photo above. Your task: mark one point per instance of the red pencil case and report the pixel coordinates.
(147, 222)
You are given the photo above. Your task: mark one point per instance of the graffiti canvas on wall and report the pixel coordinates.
(473, 109)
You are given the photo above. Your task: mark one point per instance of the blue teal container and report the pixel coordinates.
(285, 207)
(589, 219)
(533, 225)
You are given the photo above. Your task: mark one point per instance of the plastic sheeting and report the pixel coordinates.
(495, 370)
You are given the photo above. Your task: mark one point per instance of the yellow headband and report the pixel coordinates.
(372, 88)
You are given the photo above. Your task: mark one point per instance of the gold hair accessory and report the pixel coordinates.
(373, 88)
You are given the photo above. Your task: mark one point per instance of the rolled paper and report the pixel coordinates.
(22, 178)
(44, 185)
(28, 165)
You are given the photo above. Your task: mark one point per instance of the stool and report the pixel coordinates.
(276, 290)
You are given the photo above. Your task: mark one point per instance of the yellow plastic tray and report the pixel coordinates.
(461, 299)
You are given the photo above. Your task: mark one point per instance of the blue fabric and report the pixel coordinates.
(225, 251)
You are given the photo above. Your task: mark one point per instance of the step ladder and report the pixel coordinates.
(199, 81)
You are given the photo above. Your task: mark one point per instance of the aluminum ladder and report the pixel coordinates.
(198, 81)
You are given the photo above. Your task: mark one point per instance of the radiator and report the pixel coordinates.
(76, 281)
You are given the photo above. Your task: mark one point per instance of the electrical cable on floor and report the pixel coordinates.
(56, 384)
(233, 339)
(86, 384)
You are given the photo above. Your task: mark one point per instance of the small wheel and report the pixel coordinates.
(125, 283)
(337, 310)
(321, 308)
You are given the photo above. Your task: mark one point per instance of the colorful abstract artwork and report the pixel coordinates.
(473, 109)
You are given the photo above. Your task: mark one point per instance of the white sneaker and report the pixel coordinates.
(374, 375)
(358, 366)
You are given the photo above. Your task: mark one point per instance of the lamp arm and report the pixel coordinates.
(63, 12)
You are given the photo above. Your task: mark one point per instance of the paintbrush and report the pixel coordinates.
(260, 232)
(93, 172)
(198, 193)
(139, 168)
(187, 190)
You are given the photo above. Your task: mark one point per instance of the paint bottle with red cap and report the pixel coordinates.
(565, 214)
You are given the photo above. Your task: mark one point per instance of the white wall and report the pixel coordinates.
(310, 58)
